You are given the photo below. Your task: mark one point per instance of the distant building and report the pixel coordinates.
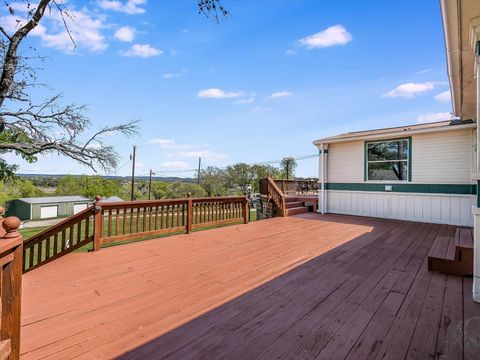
(111, 199)
(39, 208)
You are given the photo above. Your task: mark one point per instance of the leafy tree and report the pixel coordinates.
(89, 186)
(240, 176)
(262, 172)
(288, 165)
(30, 127)
(18, 188)
(173, 190)
(214, 181)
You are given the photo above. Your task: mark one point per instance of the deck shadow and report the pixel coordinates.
(306, 312)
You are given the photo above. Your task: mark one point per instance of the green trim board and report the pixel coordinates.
(365, 156)
(478, 195)
(460, 189)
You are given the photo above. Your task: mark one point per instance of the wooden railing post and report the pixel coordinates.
(189, 213)
(246, 209)
(11, 288)
(97, 225)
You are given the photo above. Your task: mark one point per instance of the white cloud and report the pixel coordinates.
(280, 94)
(204, 154)
(85, 28)
(291, 52)
(214, 93)
(334, 35)
(245, 101)
(125, 33)
(164, 143)
(130, 7)
(424, 71)
(409, 90)
(175, 75)
(432, 117)
(443, 97)
(176, 165)
(141, 50)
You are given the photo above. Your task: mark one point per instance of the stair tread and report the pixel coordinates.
(464, 238)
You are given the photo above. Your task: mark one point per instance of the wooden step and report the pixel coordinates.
(464, 244)
(452, 254)
(290, 199)
(293, 204)
(297, 210)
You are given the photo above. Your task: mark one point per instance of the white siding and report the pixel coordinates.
(434, 208)
(444, 157)
(345, 162)
(437, 158)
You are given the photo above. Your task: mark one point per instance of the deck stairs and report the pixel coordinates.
(294, 206)
(453, 254)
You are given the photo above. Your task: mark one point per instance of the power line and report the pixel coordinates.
(268, 162)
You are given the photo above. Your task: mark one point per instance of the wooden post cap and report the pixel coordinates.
(11, 223)
(98, 198)
(189, 194)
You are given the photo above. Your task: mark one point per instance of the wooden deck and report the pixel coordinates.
(306, 287)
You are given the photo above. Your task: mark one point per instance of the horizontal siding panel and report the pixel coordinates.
(435, 208)
(445, 157)
(345, 162)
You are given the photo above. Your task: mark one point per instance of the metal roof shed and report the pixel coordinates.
(39, 208)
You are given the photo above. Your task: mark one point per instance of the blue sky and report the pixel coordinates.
(263, 84)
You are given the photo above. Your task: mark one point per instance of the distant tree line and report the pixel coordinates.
(235, 179)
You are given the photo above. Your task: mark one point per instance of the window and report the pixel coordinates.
(388, 160)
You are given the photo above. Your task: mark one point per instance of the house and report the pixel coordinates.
(39, 208)
(419, 172)
(461, 26)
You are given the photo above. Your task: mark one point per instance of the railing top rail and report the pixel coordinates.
(296, 180)
(275, 186)
(64, 223)
(219, 198)
(140, 203)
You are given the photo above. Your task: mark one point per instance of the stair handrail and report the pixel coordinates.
(277, 195)
(37, 250)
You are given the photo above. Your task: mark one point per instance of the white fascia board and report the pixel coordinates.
(396, 134)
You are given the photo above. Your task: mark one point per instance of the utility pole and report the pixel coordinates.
(132, 157)
(198, 172)
(150, 184)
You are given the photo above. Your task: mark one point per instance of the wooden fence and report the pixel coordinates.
(10, 287)
(109, 222)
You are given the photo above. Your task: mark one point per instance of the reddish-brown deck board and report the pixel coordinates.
(310, 286)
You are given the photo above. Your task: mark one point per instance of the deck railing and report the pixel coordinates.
(271, 191)
(109, 222)
(134, 219)
(58, 240)
(10, 287)
(298, 186)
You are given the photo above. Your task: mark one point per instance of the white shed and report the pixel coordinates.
(421, 172)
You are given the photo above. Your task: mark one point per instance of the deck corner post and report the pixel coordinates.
(11, 286)
(98, 226)
(246, 209)
(189, 213)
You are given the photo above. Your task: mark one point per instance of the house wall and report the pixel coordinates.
(441, 190)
